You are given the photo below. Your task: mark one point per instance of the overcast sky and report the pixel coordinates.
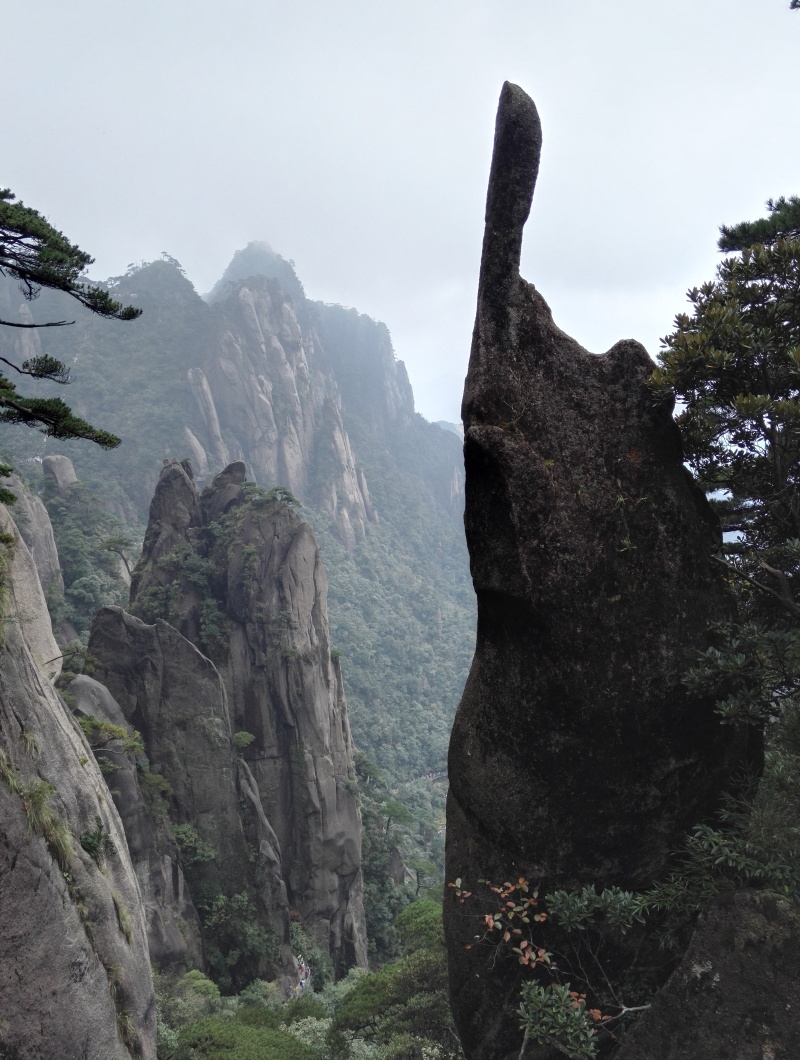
(355, 137)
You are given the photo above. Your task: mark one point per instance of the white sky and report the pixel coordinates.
(355, 138)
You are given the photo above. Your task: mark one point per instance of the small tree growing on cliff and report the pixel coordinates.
(38, 255)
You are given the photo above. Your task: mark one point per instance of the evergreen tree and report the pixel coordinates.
(734, 364)
(38, 255)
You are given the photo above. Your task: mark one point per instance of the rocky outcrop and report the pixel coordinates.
(75, 975)
(25, 601)
(734, 994)
(239, 576)
(33, 523)
(267, 381)
(171, 693)
(60, 471)
(173, 927)
(577, 756)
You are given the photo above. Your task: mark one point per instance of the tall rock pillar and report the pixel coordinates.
(577, 756)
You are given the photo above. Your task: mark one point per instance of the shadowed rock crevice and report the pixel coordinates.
(577, 755)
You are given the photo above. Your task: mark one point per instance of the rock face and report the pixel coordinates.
(60, 470)
(577, 755)
(734, 993)
(266, 379)
(174, 696)
(33, 523)
(173, 927)
(75, 975)
(239, 576)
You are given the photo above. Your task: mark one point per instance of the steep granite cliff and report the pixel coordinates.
(237, 575)
(577, 756)
(75, 975)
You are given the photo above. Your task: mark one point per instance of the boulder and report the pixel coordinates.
(60, 471)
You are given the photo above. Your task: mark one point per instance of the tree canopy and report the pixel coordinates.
(38, 255)
(734, 364)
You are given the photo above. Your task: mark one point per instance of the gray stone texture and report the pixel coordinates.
(734, 995)
(60, 471)
(577, 755)
(74, 971)
(33, 523)
(272, 677)
(169, 691)
(173, 927)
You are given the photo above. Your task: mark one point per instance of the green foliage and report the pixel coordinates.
(157, 792)
(783, 220)
(97, 843)
(220, 1039)
(7, 546)
(260, 498)
(9, 775)
(419, 926)
(81, 524)
(142, 390)
(243, 739)
(612, 907)
(401, 1009)
(43, 821)
(234, 938)
(126, 1029)
(555, 1015)
(316, 957)
(735, 364)
(37, 255)
(101, 733)
(123, 916)
(193, 850)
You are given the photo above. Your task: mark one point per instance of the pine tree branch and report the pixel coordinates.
(51, 324)
(791, 607)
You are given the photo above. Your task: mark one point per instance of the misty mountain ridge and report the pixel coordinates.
(311, 397)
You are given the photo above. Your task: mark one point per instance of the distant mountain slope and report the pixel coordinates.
(311, 397)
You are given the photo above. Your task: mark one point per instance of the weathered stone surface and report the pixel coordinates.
(734, 996)
(272, 649)
(173, 927)
(266, 379)
(577, 756)
(175, 697)
(60, 470)
(33, 523)
(27, 608)
(67, 942)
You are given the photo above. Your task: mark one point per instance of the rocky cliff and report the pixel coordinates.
(577, 756)
(238, 577)
(75, 974)
(310, 396)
